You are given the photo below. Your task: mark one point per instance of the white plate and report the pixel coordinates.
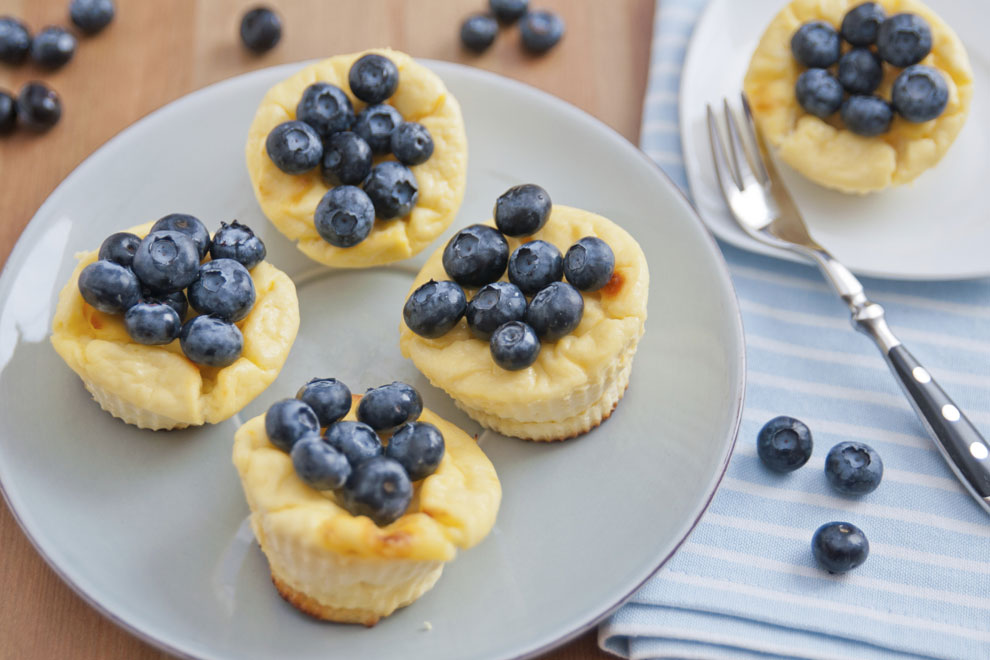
(145, 525)
(936, 228)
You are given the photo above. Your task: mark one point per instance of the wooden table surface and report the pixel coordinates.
(155, 52)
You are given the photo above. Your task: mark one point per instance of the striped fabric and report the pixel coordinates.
(745, 585)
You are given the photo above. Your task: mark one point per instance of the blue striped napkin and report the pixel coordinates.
(745, 585)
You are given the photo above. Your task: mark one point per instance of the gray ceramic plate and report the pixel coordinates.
(145, 525)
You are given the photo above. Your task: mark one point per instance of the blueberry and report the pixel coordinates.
(589, 264)
(418, 447)
(476, 255)
(393, 189)
(784, 444)
(534, 265)
(861, 23)
(816, 44)
(261, 29)
(818, 92)
(38, 107)
(412, 143)
(514, 346)
(109, 287)
(853, 468)
(236, 241)
(15, 40)
(904, 39)
(508, 11)
(555, 311)
(839, 547)
(920, 93)
(166, 261)
(211, 341)
(319, 465)
(223, 289)
(120, 248)
(866, 115)
(375, 124)
(346, 159)
(175, 299)
(541, 30)
(478, 32)
(294, 147)
(373, 78)
(329, 398)
(494, 305)
(8, 112)
(434, 308)
(355, 440)
(345, 216)
(522, 210)
(386, 407)
(189, 225)
(289, 420)
(53, 47)
(326, 108)
(91, 16)
(860, 71)
(378, 488)
(152, 323)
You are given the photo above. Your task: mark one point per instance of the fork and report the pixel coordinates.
(761, 205)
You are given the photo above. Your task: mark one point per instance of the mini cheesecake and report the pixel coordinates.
(158, 387)
(576, 381)
(337, 566)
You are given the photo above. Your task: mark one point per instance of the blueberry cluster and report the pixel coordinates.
(326, 132)
(852, 468)
(847, 82)
(368, 477)
(37, 106)
(540, 29)
(478, 256)
(153, 281)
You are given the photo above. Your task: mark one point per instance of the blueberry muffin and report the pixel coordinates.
(531, 329)
(859, 96)
(163, 341)
(358, 518)
(360, 159)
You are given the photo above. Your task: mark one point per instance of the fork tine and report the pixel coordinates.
(736, 144)
(723, 171)
(754, 141)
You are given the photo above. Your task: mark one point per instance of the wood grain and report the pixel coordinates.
(155, 52)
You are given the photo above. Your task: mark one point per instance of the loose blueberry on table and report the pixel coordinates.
(508, 11)
(15, 40)
(784, 444)
(839, 547)
(853, 468)
(8, 112)
(38, 107)
(541, 30)
(478, 32)
(476, 255)
(91, 16)
(919, 94)
(53, 47)
(144, 281)
(368, 477)
(261, 29)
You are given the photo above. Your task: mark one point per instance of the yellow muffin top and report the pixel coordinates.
(613, 319)
(289, 200)
(454, 507)
(824, 151)
(160, 378)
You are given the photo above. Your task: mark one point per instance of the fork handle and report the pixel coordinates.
(958, 440)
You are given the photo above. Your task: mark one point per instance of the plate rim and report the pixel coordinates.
(734, 319)
(740, 239)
